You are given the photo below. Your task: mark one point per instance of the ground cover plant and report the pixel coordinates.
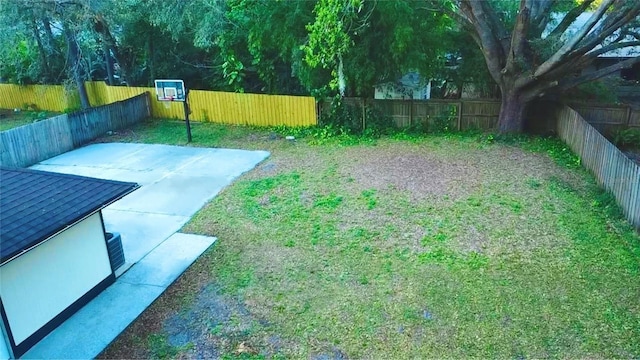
(628, 140)
(10, 119)
(451, 245)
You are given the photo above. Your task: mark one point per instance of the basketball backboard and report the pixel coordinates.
(170, 90)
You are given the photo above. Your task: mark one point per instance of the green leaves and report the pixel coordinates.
(328, 37)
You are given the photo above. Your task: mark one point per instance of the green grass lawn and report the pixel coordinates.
(10, 119)
(436, 246)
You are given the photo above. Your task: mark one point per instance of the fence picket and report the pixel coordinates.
(612, 169)
(29, 144)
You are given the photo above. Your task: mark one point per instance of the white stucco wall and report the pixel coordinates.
(40, 284)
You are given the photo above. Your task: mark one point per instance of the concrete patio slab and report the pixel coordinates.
(170, 259)
(181, 195)
(140, 177)
(175, 183)
(153, 228)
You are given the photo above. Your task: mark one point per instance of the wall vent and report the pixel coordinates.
(114, 246)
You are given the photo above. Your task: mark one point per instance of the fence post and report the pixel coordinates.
(460, 116)
(411, 112)
(628, 116)
(364, 114)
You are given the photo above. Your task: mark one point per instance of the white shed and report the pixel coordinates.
(410, 86)
(54, 256)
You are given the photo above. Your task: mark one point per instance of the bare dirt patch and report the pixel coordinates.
(425, 172)
(422, 175)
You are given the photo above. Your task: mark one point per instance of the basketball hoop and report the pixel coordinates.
(170, 90)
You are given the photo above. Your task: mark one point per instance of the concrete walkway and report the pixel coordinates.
(175, 183)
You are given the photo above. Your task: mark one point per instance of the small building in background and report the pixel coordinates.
(410, 86)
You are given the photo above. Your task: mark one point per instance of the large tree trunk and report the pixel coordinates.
(43, 54)
(150, 62)
(101, 27)
(512, 112)
(50, 41)
(76, 66)
(108, 63)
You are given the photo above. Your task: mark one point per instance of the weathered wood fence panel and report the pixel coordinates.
(89, 124)
(461, 114)
(634, 119)
(479, 114)
(608, 118)
(613, 170)
(29, 144)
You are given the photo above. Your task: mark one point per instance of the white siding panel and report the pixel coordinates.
(40, 284)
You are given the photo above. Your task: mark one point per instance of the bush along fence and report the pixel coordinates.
(210, 106)
(29, 144)
(613, 170)
(425, 115)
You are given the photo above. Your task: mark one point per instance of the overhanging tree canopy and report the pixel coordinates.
(530, 49)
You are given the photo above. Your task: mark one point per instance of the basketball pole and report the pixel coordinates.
(186, 114)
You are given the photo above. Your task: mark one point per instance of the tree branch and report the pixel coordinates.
(571, 16)
(540, 16)
(569, 46)
(489, 41)
(570, 83)
(610, 25)
(457, 16)
(518, 36)
(611, 47)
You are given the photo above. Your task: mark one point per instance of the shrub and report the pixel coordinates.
(627, 138)
(348, 118)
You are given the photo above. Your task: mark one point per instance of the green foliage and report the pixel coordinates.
(282, 47)
(233, 72)
(19, 63)
(329, 202)
(600, 91)
(328, 37)
(38, 115)
(554, 147)
(159, 347)
(349, 119)
(369, 196)
(627, 138)
(444, 122)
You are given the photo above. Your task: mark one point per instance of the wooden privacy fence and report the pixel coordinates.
(608, 118)
(45, 97)
(613, 170)
(86, 125)
(29, 144)
(460, 114)
(211, 106)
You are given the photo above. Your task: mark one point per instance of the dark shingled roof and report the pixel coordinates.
(34, 205)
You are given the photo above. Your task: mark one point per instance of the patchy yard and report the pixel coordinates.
(10, 119)
(442, 246)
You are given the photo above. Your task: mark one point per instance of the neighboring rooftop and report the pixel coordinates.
(34, 205)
